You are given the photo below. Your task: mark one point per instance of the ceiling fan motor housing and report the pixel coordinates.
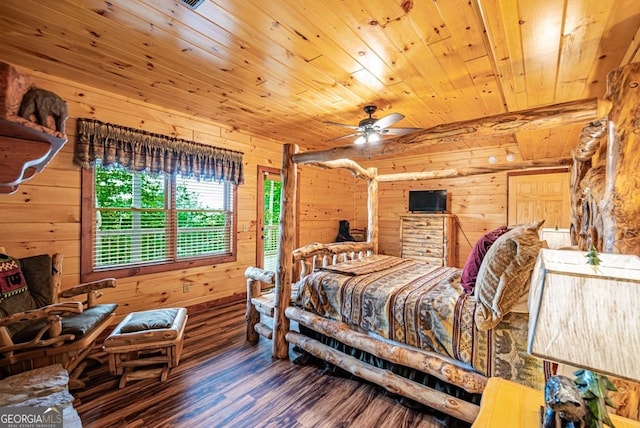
(366, 123)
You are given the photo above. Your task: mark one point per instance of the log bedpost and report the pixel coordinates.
(620, 205)
(280, 347)
(255, 277)
(372, 209)
(252, 315)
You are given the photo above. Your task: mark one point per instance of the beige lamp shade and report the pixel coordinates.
(584, 316)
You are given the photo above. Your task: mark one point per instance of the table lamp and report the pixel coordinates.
(586, 315)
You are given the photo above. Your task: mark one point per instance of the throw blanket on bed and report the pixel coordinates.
(371, 264)
(409, 302)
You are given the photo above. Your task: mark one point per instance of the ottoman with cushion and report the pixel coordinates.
(146, 344)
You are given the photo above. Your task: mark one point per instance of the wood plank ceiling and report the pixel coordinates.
(281, 68)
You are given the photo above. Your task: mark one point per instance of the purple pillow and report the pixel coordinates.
(472, 265)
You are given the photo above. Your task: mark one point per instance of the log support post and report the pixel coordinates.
(280, 347)
(372, 209)
(620, 205)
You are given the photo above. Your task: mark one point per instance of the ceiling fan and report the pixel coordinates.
(371, 130)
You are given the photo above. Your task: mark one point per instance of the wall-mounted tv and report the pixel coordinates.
(428, 201)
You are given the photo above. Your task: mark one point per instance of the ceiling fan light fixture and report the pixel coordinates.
(360, 140)
(373, 138)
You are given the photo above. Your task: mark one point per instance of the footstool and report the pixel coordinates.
(146, 344)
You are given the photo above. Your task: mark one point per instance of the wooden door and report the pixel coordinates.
(534, 196)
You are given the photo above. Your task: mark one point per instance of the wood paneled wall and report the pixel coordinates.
(478, 201)
(43, 216)
(326, 197)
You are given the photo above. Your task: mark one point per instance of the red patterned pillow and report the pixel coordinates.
(472, 265)
(12, 281)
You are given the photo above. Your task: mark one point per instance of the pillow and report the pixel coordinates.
(14, 295)
(472, 265)
(149, 320)
(504, 274)
(12, 280)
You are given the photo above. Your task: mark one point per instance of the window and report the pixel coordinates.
(136, 222)
(141, 211)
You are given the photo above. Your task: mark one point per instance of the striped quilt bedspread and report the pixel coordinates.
(409, 302)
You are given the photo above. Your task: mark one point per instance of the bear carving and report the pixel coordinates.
(42, 103)
(565, 406)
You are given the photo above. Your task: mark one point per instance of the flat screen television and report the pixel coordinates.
(431, 201)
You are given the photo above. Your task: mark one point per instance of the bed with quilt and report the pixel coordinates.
(446, 328)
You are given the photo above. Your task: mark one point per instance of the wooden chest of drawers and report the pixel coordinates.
(428, 238)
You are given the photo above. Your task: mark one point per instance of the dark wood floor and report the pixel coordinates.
(222, 381)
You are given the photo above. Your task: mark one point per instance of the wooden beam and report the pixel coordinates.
(348, 164)
(580, 111)
(280, 347)
(463, 172)
(418, 175)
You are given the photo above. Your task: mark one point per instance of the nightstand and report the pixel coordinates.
(508, 404)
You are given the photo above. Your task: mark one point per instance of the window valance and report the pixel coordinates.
(137, 150)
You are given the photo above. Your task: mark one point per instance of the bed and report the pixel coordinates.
(358, 310)
(407, 302)
(444, 366)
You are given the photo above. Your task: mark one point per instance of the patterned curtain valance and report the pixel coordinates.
(137, 150)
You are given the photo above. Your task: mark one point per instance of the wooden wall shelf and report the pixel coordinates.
(25, 148)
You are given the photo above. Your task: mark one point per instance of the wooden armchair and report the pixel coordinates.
(36, 329)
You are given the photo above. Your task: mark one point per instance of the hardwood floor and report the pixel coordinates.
(223, 381)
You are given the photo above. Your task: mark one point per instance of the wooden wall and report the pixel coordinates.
(43, 216)
(326, 197)
(478, 201)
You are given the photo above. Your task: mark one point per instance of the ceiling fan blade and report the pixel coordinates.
(341, 124)
(344, 136)
(400, 131)
(388, 120)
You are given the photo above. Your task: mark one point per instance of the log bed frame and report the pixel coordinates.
(615, 111)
